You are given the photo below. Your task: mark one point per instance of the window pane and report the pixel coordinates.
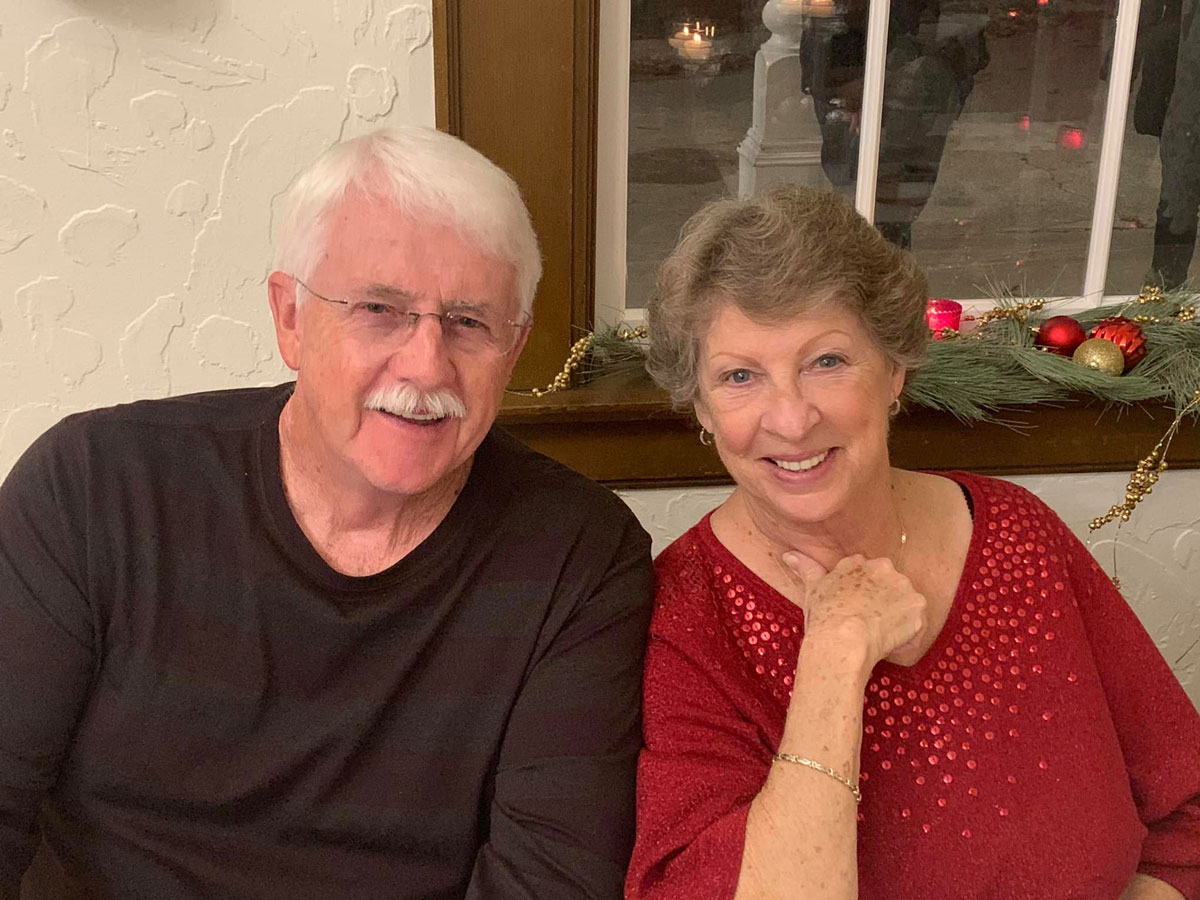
(1154, 229)
(691, 99)
(993, 119)
(991, 133)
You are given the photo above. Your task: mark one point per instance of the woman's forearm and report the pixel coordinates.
(801, 832)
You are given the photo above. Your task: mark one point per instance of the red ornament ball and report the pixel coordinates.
(1126, 334)
(1061, 335)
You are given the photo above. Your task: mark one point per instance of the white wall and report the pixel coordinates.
(144, 145)
(1157, 558)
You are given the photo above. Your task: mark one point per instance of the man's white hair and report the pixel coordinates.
(425, 174)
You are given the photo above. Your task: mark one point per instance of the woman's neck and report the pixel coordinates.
(870, 525)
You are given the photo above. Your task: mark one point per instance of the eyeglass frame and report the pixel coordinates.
(414, 318)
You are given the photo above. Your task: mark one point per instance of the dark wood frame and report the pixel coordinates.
(517, 79)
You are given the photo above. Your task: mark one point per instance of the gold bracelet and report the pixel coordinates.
(813, 764)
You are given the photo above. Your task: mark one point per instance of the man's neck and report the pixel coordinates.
(356, 528)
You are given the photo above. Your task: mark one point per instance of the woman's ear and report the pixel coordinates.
(897, 380)
(703, 415)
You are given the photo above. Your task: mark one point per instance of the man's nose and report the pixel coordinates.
(424, 356)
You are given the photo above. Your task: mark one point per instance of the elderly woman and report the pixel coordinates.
(867, 682)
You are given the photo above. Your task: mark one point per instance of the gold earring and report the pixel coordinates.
(706, 438)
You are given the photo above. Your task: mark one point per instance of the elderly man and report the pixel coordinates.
(337, 639)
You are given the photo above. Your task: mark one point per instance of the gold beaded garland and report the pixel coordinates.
(578, 354)
(1146, 474)
(1015, 311)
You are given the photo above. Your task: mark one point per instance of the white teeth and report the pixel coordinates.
(420, 417)
(803, 465)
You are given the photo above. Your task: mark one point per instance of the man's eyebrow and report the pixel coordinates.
(393, 294)
(388, 292)
(469, 306)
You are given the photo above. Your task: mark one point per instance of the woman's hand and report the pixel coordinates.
(1144, 887)
(862, 601)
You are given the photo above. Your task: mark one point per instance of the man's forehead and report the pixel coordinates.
(378, 251)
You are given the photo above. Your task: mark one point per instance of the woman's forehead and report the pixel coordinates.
(731, 324)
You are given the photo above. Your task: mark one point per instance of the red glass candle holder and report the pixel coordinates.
(942, 314)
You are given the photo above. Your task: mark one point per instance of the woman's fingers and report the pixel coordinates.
(867, 597)
(804, 567)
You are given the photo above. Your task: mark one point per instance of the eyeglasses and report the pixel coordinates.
(476, 331)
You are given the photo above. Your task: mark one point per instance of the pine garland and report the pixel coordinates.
(975, 377)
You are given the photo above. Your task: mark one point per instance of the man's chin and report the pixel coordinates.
(411, 471)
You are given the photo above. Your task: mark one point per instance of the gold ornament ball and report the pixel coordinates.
(1102, 355)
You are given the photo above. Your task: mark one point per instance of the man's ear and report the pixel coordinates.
(281, 291)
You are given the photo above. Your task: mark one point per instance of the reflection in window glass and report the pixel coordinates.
(992, 124)
(690, 93)
(1154, 229)
(1010, 200)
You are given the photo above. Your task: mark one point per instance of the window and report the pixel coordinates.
(521, 80)
(988, 137)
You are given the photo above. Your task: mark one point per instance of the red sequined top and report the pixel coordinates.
(1041, 749)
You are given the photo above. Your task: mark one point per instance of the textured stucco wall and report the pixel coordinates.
(1157, 558)
(144, 145)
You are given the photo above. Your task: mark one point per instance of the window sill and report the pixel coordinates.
(621, 431)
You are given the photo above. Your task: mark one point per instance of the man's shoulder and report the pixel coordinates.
(211, 411)
(220, 410)
(532, 479)
(133, 433)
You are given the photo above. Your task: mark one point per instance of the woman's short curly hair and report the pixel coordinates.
(785, 252)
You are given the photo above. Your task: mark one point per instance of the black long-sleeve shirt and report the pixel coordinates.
(194, 704)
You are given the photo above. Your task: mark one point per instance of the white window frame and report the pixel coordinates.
(612, 188)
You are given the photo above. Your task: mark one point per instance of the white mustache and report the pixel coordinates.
(413, 403)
